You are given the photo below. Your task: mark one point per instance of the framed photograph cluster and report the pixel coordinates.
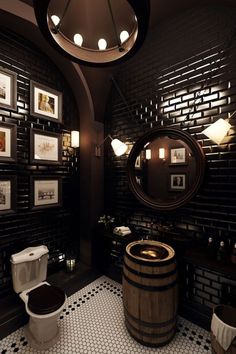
(7, 142)
(45, 147)
(45, 192)
(7, 194)
(8, 89)
(45, 102)
(177, 181)
(178, 157)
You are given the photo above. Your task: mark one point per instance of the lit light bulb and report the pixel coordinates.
(55, 19)
(102, 44)
(217, 131)
(78, 39)
(123, 36)
(74, 138)
(162, 153)
(119, 147)
(148, 154)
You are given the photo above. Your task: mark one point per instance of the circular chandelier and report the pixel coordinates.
(94, 32)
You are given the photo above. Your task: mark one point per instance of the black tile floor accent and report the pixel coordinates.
(93, 322)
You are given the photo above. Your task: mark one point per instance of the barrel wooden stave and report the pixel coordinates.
(150, 301)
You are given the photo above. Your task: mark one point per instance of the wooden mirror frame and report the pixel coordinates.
(138, 147)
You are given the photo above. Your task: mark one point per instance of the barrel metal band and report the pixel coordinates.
(150, 263)
(155, 335)
(150, 344)
(151, 324)
(148, 287)
(150, 276)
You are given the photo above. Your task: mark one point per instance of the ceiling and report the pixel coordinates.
(161, 9)
(99, 80)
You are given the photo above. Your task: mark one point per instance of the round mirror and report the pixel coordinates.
(165, 168)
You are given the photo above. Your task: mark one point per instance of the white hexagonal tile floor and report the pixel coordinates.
(93, 323)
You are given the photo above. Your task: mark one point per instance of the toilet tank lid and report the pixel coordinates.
(29, 254)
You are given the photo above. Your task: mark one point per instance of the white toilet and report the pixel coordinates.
(43, 302)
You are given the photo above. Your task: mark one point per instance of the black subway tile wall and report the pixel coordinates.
(184, 76)
(51, 226)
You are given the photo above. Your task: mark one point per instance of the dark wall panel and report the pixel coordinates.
(184, 76)
(52, 226)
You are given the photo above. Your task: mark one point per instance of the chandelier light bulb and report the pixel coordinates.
(102, 44)
(123, 36)
(78, 39)
(55, 19)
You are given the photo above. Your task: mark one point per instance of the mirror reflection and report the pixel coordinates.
(165, 168)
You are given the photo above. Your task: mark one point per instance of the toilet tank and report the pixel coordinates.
(29, 267)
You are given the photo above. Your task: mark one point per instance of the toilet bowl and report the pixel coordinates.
(43, 302)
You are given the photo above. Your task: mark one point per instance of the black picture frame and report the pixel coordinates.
(45, 147)
(178, 156)
(139, 162)
(45, 192)
(178, 182)
(45, 102)
(7, 194)
(8, 142)
(8, 89)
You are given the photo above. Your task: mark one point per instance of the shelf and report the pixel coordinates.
(201, 259)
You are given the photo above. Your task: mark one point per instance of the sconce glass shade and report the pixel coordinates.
(148, 154)
(161, 153)
(217, 131)
(94, 19)
(119, 147)
(74, 139)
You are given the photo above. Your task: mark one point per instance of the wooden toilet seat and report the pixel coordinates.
(45, 299)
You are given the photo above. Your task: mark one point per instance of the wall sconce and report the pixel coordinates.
(148, 153)
(218, 130)
(74, 138)
(118, 147)
(162, 153)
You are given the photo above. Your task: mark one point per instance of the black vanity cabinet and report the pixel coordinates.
(109, 251)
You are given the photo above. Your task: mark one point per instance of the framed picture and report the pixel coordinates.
(7, 194)
(7, 142)
(45, 102)
(45, 147)
(46, 192)
(8, 89)
(138, 180)
(178, 182)
(178, 156)
(138, 162)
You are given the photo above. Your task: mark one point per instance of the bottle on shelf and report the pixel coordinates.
(233, 255)
(221, 253)
(210, 248)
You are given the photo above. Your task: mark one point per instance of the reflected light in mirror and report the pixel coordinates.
(162, 153)
(148, 154)
(217, 131)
